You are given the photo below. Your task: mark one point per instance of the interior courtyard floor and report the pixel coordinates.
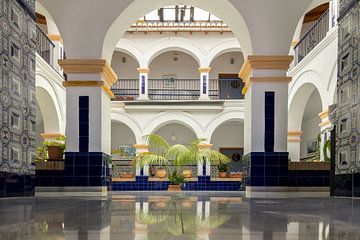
(186, 215)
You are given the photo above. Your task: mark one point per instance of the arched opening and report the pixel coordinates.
(224, 80)
(310, 127)
(228, 138)
(174, 74)
(123, 150)
(39, 125)
(311, 17)
(127, 86)
(176, 133)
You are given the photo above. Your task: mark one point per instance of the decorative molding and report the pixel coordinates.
(90, 84)
(270, 79)
(141, 146)
(204, 70)
(143, 70)
(51, 135)
(294, 140)
(89, 66)
(327, 122)
(295, 133)
(205, 146)
(324, 114)
(294, 43)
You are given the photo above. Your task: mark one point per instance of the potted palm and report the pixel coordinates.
(176, 179)
(51, 149)
(160, 155)
(223, 170)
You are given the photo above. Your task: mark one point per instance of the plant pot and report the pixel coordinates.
(55, 152)
(161, 173)
(174, 188)
(127, 175)
(222, 174)
(187, 173)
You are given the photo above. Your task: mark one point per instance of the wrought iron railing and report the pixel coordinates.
(312, 38)
(174, 89)
(226, 89)
(126, 89)
(44, 46)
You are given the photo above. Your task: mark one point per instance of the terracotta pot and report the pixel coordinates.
(55, 152)
(174, 188)
(222, 174)
(127, 175)
(187, 173)
(161, 173)
(186, 204)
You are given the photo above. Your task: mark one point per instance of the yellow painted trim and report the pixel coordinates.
(143, 70)
(294, 43)
(55, 38)
(324, 123)
(89, 66)
(295, 133)
(204, 70)
(245, 71)
(101, 84)
(294, 140)
(51, 135)
(141, 146)
(205, 146)
(271, 79)
(270, 61)
(324, 114)
(246, 87)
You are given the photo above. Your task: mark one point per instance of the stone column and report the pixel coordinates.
(205, 168)
(143, 83)
(141, 148)
(204, 83)
(294, 141)
(88, 122)
(266, 116)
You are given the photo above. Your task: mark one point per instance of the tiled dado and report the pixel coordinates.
(347, 185)
(265, 169)
(203, 183)
(16, 185)
(87, 169)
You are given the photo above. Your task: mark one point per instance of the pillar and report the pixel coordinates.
(266, 110)
(143, 83)
(58, 51)
(294, 141)
(333, 13)
(205, 168)
(141, 148)
(325, 126)
(88, 122)
(204, 83)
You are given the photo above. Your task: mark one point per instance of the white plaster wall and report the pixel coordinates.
(127, 69)
(121, 135)
(183, 134)
(222, 64)
(229, 134)
(311, 129)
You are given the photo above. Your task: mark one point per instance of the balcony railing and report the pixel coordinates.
(44, 46)
(174, 89)
(126, 89)
(312, 38)
(226, 89)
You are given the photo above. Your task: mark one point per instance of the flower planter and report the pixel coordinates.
(187, 173)
(174, 188)
(222, 174)
(55, 152)
(161, 173)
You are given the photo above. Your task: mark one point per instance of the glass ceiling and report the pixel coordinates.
(179, 13)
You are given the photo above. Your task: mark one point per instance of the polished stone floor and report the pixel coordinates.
(194, 215)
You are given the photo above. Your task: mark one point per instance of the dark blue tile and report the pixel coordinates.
(84, 102)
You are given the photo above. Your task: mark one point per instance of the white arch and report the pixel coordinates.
(51, 25)
(126, 46)
(222, 47)
(222, 118)
(120, 116)
(174, 44)
(137, 9)
(165, 118)
(50, 105)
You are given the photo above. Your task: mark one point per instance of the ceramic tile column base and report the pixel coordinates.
(16, 185)
(347, 185)
(87, 169)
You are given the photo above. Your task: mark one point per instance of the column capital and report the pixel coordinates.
(294, 136)
(204, 69)
(324, 114)
(101, 84)
(141, 146)
(205, 146)
(55, 38)
(52, 135)
(92, 66)
(143, 70)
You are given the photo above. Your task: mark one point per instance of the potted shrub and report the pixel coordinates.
(223, 170)
(55, 148)
(160, 155)
(176, 179)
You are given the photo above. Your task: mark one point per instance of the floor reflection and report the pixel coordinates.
(181, 216)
